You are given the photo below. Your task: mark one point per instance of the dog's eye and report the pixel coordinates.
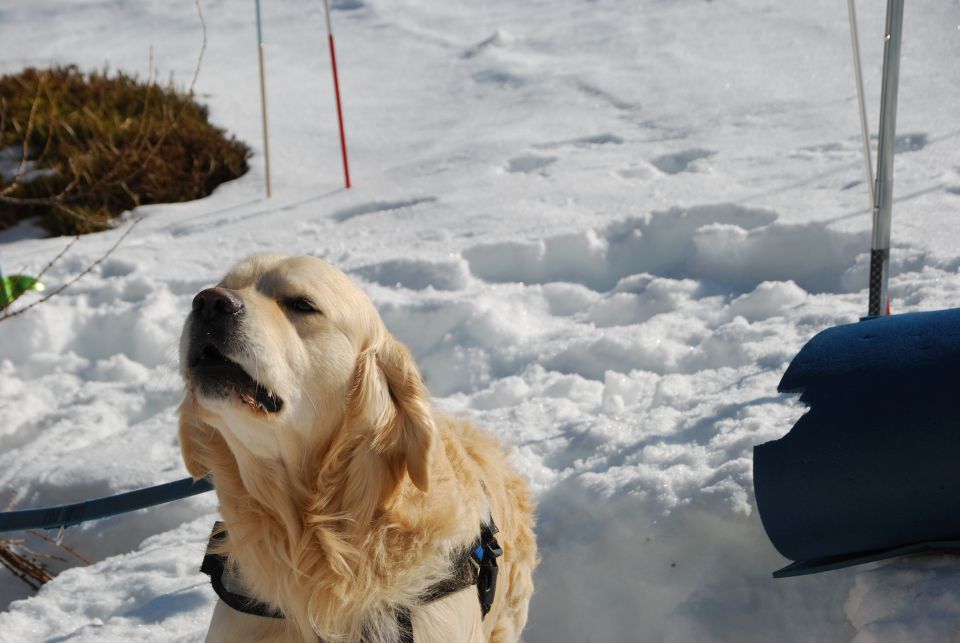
(300, 305)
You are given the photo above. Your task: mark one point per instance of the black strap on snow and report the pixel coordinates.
(474, 566)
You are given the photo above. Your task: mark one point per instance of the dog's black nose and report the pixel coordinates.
(216, 302)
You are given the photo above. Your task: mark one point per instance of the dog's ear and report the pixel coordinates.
(389, 395)
(193, 432)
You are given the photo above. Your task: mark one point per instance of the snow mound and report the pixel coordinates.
(724, 246)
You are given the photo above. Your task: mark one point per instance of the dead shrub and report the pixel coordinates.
(76, 149)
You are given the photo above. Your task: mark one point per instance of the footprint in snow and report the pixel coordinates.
(681, 161)
(379, 206)
(417, 274)
(500, 39)
(604, 138)
(910, 142)
(529, 163)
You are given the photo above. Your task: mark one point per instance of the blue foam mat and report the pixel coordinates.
(872, 469)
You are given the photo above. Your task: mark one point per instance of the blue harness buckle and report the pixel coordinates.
(485, 555)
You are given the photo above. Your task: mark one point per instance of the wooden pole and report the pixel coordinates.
(263, 102)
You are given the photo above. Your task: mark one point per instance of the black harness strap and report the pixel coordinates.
(486, 554)
(215, 566)
(405, 625)
(475, 566)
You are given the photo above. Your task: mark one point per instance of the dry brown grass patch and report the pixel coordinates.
(76, 149)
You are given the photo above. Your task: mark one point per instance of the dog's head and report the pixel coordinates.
(285, 356)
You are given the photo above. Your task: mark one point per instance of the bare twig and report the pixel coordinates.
(24, 154)
(27, 563)
(203, 47)
(3, 113)
(36, 556)
(83, 559)
(77, 278)
(151, 86)
(151, 70)
(18, 200)
(53, 261)
(32, 573)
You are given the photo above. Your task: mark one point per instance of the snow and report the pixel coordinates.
(604, 229)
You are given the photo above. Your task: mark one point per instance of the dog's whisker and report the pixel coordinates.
(306, 394)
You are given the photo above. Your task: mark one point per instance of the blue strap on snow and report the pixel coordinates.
(78, 512)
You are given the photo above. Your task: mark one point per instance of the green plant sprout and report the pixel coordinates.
(15, 285)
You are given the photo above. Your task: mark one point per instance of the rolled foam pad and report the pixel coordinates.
(874, 464)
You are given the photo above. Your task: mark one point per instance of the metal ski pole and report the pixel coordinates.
(861, 101)
(880, 242)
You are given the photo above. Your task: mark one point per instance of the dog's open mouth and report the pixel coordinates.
(216, 375)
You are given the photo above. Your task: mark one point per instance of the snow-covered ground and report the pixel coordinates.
(604, 228)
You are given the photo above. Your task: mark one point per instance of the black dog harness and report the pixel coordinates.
(474, 566)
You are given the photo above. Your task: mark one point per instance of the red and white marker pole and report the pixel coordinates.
(336, 91)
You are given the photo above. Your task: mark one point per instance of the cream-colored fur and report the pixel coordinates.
(348, 503)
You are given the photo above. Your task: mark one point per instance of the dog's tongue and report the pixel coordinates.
(267, 400)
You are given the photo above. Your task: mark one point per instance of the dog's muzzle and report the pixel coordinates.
(214, 334)
(217, 306)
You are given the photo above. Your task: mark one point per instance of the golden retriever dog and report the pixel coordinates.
(346, 497)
